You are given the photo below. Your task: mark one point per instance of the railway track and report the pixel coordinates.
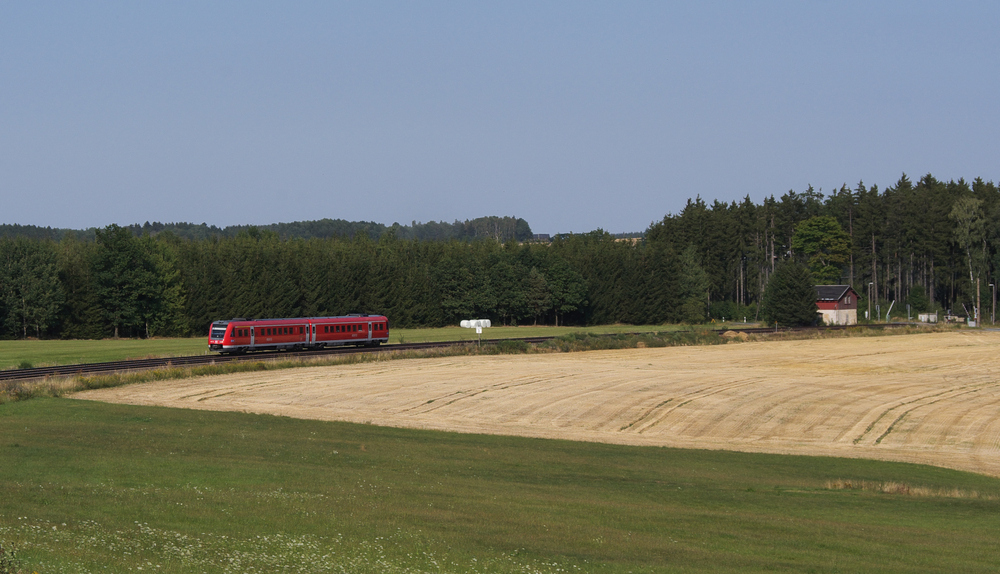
(133, 365)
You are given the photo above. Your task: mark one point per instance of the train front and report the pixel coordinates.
(217, 334)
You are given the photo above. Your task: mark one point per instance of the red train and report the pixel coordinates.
(242, 335)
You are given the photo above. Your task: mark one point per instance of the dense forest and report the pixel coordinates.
(497, 228)
(926, 245)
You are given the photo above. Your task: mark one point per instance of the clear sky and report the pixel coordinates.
(573, 115)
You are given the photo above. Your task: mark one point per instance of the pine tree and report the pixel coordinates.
(790, 296)
(693, 288)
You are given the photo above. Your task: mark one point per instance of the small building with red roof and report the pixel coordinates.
(838, 304)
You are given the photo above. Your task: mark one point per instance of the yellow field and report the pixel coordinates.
(929, 398)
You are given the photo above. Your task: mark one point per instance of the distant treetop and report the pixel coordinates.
(495, 228)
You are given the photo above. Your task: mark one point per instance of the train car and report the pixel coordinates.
(245, 335)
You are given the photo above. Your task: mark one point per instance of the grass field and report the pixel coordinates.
(47, 353)
(89, 486)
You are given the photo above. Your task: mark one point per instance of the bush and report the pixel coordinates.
(509, 348)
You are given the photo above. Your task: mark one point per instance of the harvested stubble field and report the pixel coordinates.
(927, 398)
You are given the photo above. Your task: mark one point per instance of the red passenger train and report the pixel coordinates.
(242, 335)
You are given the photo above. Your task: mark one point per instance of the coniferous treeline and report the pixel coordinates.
(500, 228)
(924, 244)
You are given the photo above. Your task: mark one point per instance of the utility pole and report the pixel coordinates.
(979, 314)
(993, 312)
(869, 316)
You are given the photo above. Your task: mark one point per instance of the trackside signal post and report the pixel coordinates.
(478, 325)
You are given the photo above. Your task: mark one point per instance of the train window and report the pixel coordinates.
(326, 328)
(338, 328)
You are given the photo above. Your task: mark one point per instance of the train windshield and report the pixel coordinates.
(218, 332)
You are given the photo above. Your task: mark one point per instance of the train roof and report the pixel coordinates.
(279, 319)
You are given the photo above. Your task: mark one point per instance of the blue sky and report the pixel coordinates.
(573, 115)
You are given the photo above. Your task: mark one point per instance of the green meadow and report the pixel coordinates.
(92, 487)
